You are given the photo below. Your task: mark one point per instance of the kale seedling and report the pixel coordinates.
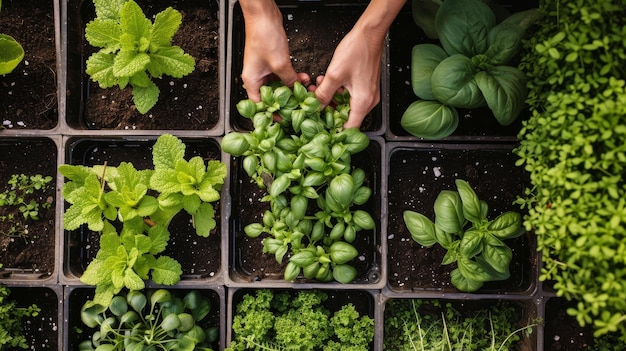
(157, 319)
(12, 321)
(473, 242)
(281, 321)
(102, 197)
(134, 50)
(11, 52)
(304, 163)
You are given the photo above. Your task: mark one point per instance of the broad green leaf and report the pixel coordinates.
(11, 54)
(133, 20)
(166, 271)
(145, 97)
(104, 33)
(449, 212)
(303, 258)
(453, 83)
(363, 219)
(424, 60)
(473, 270)
(463, 25)
(504, 89)
(421, 228)
(341, 252)
(506, 226)
(424, 14)
(172, 61)
(167, 150)
(204, 219)
(341, 189)
(127, 63)
(430, 119)
(464, 283)
(108, 9)
(165, 25)
(132, 281)
(165, 181)
(471, 243)
(159, 236)
(215, 173)
(100, 69)
(344, 273)
(499, 257)
(471, 202)
(291, 271)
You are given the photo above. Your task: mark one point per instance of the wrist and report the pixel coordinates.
(255, 10)
(377, 18)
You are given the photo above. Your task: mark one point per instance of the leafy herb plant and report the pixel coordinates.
(11, 52)
(469, 69)
(22, 202)
(475, 243)
(434, 325)
(132, 210)
(574, 148)
(12, 321)
(282, 321)
(134, 50)
(304, 163)
(155, 320)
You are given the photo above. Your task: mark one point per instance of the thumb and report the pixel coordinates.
(326, 90)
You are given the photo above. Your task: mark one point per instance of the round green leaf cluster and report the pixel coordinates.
(301, 155)
(574, 148)
(156, 319)
(475, 243)
(468, 70)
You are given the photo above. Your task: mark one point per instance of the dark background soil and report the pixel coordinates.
(200, 257)
(28, 95)
(37, 252)
(190, 103)
(42, 330)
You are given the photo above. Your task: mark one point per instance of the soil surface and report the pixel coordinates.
(28, 95)
(561, 331)
(313, 33)
(416, 177)
(248, 261)
(190, 103)
(42, 330)
(199, 257)
(35, 249)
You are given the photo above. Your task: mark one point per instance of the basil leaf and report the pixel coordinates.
(471, 203)
(449, 212)
(506, 226)
(421, 228)
(344, 273)
(463, 26)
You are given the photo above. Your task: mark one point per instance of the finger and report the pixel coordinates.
(253, 89)
(304, 78)
(326, 89)
(287, 75)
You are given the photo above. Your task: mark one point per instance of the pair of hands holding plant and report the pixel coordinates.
(355, 65)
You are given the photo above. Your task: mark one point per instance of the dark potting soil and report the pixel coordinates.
(313, 33)
(28, 95)
(41, 331)
(248, 261)
(561, 331)
(199, 257)
(34, 250)
(416, 177)
(191, 102)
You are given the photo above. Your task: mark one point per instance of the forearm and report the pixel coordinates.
(378, 16)
(257, 10)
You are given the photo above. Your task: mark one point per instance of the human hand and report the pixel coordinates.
(355, 66)
(266, 54)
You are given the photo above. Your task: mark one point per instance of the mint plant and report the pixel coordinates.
(22, 201)
(134, 50)
(140, 204)
(282, 321)
(12, 321)
(11, 52)
(474, 242)
(154, 320)
(434, 325)
(573, 147)
(303, 162)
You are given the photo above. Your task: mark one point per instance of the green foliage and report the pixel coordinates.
(574, 148)
(11, 52)
(158, 319)
(432, 325)
(475, 243)
(23, 196)
(469, 69)
(134, 50)
(103, 197)
(303, 161)
(12, 321)
(299, 321)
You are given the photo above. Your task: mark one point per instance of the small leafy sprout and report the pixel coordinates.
(12, 320)
(134, 50)
(144, 202)
(23, 196)
(11, 52)
(475, 243)
(303, 162)
(157, 319)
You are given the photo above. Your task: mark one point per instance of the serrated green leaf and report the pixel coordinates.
(108, 9)
(132, 281)
(145, 97)
(104, 33)
(167, 150)
(191, 203)
(127, 63)
(172, 61)
(133, 20)
(204, 219)
(166, 271)
(165, 25)
(159, 236)
(100, 69)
